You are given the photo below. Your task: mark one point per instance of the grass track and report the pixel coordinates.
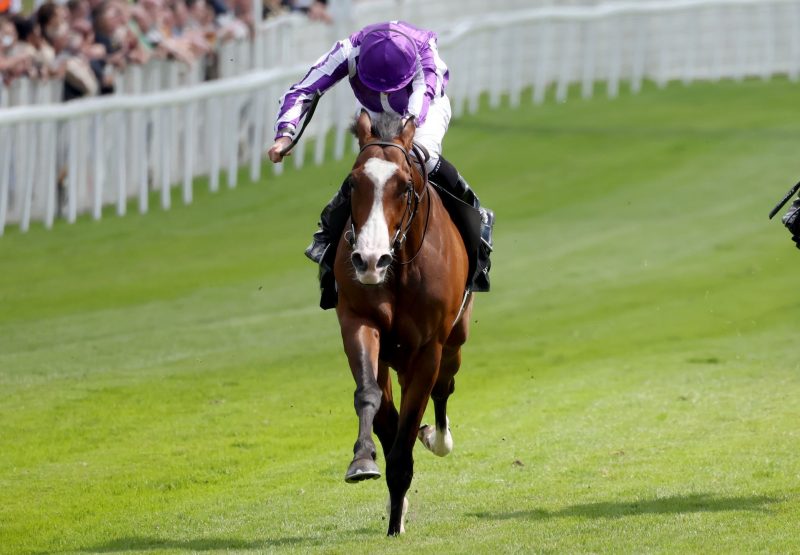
(631, 384)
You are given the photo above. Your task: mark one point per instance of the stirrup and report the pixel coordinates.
(319, 245)
(487, 226)
(480, 281)
(316, 251)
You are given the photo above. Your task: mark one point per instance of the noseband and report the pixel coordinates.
(412, 202)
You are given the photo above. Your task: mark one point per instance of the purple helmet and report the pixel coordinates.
(387, 60)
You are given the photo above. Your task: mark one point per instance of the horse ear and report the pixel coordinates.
(407, 134)
(363, 128)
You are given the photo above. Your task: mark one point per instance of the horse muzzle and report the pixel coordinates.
(371, 267)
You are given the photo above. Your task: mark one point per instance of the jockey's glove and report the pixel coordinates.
(792, 221)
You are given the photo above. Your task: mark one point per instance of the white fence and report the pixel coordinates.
(60, 160)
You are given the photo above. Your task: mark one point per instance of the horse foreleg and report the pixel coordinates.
(361, 344)
(385, 423)
(416, 384)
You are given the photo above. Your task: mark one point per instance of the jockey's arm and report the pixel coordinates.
(426, 85)
(329, 69)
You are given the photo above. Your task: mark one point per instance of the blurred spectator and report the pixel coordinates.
(80, 16)
(272, 8)
(13, 62)
(315, 9)
(67, 57)
(88, 42)
(29, 43)
(237, 22)
(180, 29)
(116, 31)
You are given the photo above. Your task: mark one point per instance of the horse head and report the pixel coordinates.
(385, 192)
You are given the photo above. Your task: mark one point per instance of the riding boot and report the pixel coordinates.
(447, 176)
(331, 224)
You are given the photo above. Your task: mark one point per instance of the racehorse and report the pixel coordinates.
(401, 269)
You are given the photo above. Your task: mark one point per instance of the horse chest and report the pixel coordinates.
(406, 334)
(397, 353)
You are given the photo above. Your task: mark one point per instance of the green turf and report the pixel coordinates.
(167, 383)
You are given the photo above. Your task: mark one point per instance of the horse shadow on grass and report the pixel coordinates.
(144, 544)
(679, 504)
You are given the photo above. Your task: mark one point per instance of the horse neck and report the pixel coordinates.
(422, 227)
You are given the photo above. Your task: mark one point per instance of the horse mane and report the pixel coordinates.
(385, 126)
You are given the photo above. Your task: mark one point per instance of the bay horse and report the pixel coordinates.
(401, 270)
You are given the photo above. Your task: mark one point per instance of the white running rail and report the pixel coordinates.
(60, 160)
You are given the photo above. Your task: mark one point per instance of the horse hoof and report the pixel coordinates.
(360, 470)
(439, 442)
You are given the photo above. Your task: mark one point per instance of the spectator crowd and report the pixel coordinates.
(86, 42)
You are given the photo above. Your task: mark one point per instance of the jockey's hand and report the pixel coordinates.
(274, 151)
(792, 221)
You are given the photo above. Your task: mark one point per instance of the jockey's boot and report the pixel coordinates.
(447, 176)
(331, 225)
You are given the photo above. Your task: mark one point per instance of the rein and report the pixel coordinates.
(308, 115)
(784, 200)
(412, 203)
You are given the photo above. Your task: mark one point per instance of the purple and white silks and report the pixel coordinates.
(341, 61)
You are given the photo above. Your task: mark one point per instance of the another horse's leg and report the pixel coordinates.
(416, 383)
(438, 439)
(361, 344)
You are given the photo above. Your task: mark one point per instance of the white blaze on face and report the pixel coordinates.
(373, 239)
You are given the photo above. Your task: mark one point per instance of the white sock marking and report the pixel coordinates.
(439, 442)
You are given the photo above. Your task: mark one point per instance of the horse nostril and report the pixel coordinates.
(384, 261)
(358, 262)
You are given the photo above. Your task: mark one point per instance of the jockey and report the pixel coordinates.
(792, 221)
(392, 67)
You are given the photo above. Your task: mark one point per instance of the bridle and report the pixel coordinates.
(413, 200)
